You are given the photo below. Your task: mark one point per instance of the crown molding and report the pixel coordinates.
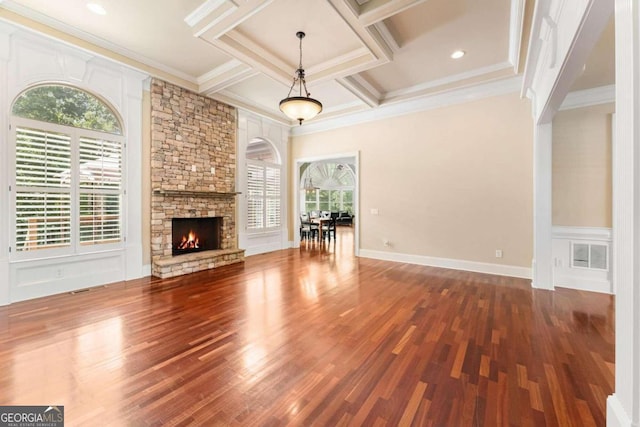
(134, 58)
(589, 97)
(516, 24)
(428, 102)
(413, 91)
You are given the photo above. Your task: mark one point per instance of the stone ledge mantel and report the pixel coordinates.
(191, 193)
(171, 266)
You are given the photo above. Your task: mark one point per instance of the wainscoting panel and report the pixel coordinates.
(582, 258)
(37, 278)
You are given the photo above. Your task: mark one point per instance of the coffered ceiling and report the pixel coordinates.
(358, 54)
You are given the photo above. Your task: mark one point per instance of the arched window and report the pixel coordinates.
(264, 210)
(328, 186)
(68, 151)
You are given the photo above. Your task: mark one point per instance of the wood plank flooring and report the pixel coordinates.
(314, 336)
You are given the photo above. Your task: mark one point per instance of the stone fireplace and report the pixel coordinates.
(193, 166)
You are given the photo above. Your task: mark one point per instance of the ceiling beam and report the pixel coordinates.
(375, 11)
(225, 75)
(214, 18)
(359, 87)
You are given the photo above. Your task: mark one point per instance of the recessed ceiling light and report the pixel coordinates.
(458, 54)
(96, 8)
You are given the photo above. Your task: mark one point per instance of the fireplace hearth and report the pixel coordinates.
(195, 234)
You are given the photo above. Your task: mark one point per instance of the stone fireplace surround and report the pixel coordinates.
(193, 166)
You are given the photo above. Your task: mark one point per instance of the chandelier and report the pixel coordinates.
(301, 107)
(308, 180)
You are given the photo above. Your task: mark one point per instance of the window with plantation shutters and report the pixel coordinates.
(68, 152)
(264, 197)
(43, 195)
(100, 180)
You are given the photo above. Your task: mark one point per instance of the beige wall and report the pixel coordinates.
(454, 182)
(582, 167)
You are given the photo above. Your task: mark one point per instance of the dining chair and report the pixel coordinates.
(329, 227)
(308, 229)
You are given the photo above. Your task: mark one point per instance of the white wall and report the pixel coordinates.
(251, 126)
(28, 59)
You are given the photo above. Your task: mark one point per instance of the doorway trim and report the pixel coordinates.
(355, 155)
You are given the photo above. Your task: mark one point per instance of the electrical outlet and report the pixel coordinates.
(193, 168)
(386, 242)
(213, 170)
(374, 211)
(498, 253)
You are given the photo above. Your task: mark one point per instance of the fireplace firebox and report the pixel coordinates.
(195, 234)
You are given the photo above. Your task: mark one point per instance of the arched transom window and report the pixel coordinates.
(68, 177)
(328, 186)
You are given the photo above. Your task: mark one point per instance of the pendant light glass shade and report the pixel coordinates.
(301, 107)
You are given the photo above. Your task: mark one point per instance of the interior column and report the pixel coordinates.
(623, 406)
(541, 267)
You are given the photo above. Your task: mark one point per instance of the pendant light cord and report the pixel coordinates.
(299, 78)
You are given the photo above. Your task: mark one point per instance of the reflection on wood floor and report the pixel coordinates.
(314, 336)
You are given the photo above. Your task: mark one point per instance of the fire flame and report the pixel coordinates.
(190, 242)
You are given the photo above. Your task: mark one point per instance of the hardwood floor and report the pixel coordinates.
(314, 336)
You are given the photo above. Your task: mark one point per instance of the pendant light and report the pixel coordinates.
(301, 107)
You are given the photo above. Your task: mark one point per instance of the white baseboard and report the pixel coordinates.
(456, 264)
(616, 415)
(583, 284)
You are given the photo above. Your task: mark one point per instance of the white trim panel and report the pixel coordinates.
(616, 415)
(261, 243)
(456, 264)
(586, 279)
(38, 278)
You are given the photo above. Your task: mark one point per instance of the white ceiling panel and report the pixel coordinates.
(358, 54)
(430, 32)
(327, 35)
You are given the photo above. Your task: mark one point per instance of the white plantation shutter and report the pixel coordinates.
(100, 176)
(43, 193)
(43, 220)
(272, 193)
(255, 196)
(263, 196)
